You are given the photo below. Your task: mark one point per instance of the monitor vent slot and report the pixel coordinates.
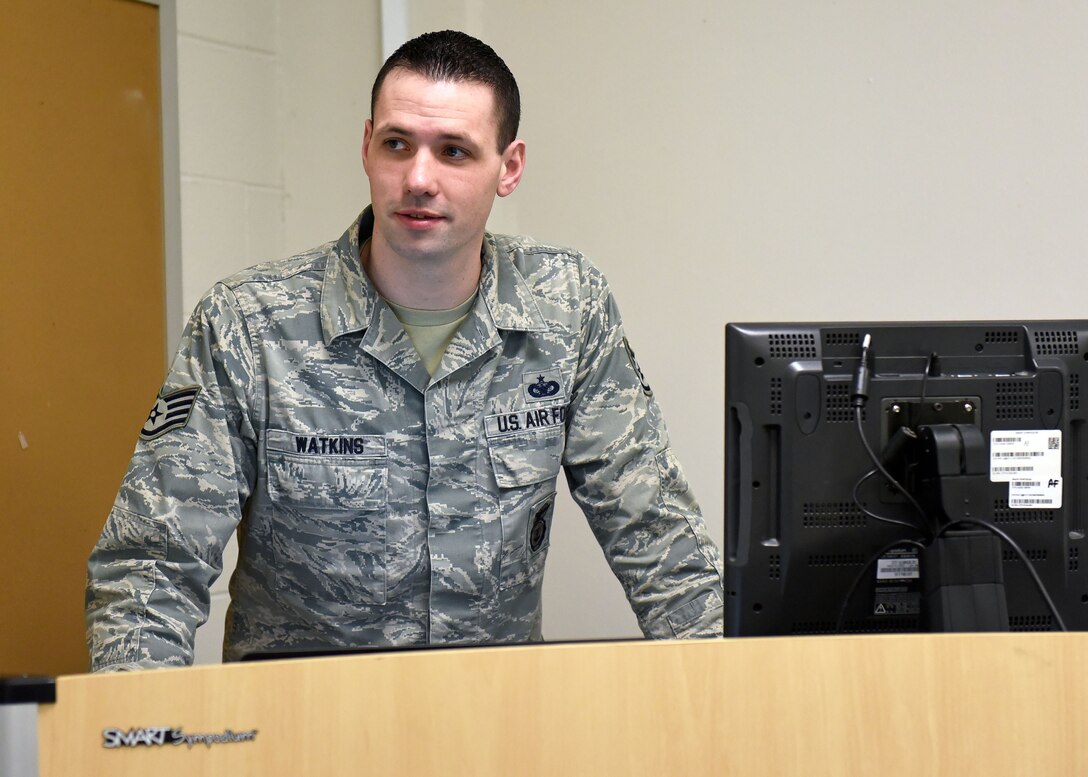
(797, 345)
(1074, 391)
(776, 396)
(836, 560)
(837, 402)
(889, 625)
(1074, 559)
(1056, 343)
(842, 339)
(1005, 514)
(774, 566)
(1034, 556)
(832, 515)
(1031, 623)
(1015, 400)
(1001, 336)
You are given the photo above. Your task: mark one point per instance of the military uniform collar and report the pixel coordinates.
(506, 293)
(349, 300)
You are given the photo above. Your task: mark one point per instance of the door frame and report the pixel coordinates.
(171, 175)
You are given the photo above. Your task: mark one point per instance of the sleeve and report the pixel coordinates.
(181, 499)
(630, 486)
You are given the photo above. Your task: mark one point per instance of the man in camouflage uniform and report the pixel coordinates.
(392, 479)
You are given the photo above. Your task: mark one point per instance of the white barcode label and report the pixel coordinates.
(901, 568)
(1025, 454)
(1035, 494)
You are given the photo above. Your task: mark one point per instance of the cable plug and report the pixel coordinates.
(860, 395)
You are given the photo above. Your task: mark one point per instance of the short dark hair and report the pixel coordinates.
(450, 55)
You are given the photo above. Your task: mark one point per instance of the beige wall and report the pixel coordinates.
(744, 160)
(720, 161)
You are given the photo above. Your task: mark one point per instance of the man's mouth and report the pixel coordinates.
(420, 216)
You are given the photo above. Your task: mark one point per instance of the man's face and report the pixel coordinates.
(431, 153)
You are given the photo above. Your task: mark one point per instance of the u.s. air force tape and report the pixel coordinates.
(525, 420)
(171, 411)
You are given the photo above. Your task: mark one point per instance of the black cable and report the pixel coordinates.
(870, 513)
(925, 528)
(1019, 552)
(859, 396)
(925, 376)
(839, 622)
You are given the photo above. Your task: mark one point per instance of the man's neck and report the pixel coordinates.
(424, 285)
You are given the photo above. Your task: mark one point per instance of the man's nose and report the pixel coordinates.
(421, 178)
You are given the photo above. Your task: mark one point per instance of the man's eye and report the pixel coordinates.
(453, 152)
(393, 144)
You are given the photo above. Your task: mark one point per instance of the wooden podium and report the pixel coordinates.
(918, 705)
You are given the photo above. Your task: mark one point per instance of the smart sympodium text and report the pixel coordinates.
(153, 736)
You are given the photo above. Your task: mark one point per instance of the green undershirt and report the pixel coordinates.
(432, 330)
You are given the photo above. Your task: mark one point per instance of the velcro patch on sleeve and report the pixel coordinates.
(638, 370)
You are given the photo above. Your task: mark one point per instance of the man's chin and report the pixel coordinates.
(420, 250)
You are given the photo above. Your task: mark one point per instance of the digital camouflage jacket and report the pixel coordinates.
(376, 504)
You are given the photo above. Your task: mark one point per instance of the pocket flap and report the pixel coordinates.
(322, 483)
(524, 459)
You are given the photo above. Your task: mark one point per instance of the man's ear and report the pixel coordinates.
(513, 165)
(368, 131)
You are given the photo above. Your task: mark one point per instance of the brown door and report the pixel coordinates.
(81, 300)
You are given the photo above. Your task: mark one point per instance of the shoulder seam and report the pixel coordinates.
(249, 280)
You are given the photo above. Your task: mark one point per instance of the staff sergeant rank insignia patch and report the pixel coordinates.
(171, 411)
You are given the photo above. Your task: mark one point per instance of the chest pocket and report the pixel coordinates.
(525, 459)
(525, 466)
(329, 530)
